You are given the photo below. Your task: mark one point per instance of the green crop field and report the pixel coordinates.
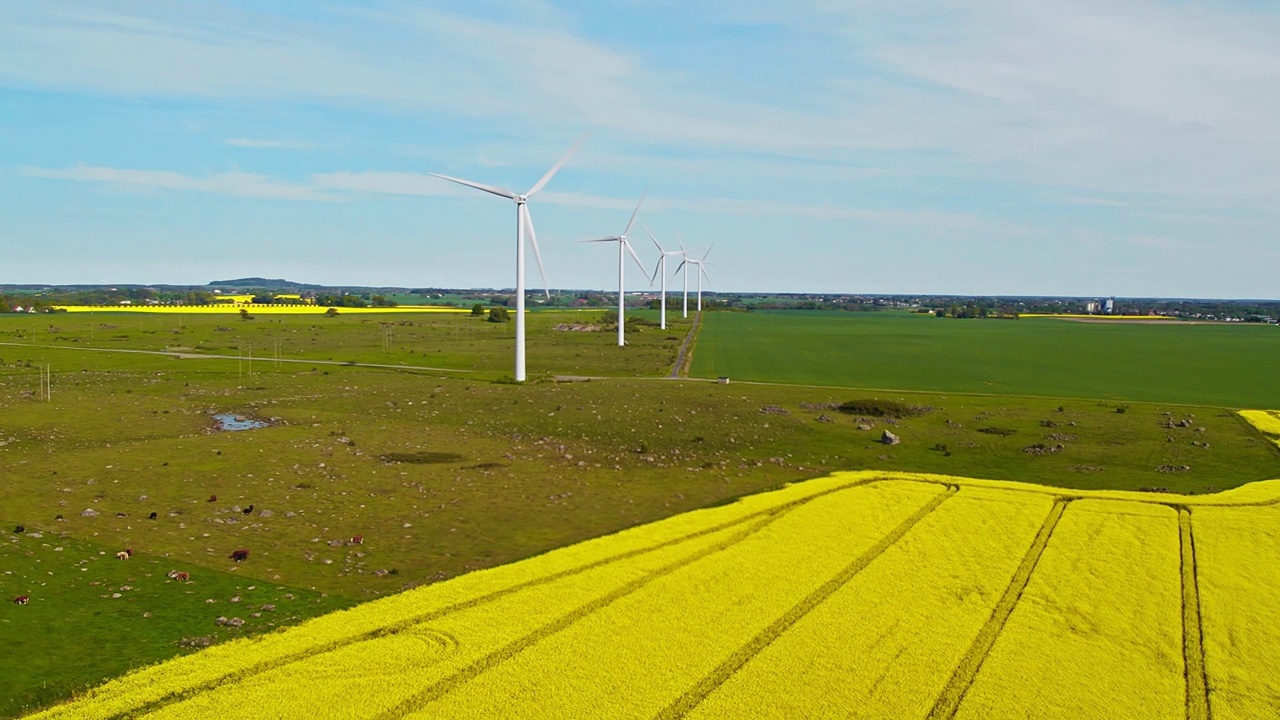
(443, 472)
(1210, 364)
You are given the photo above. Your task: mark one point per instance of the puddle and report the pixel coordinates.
(238, 422)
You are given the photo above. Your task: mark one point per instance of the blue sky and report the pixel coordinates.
(1109, 147)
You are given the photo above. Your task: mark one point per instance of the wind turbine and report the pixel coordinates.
(523, 221)
(623, 244)
(702, 272)
(661, 269)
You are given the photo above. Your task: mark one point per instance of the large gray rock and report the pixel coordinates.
(889, 438)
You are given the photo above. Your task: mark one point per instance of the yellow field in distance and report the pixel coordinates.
(1098, 317)
(867, 594)
(233, 309)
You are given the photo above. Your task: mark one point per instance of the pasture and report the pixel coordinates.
(1230, 365)
(904, 596)
(448, 471)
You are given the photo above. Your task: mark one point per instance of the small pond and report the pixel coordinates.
(238, 422)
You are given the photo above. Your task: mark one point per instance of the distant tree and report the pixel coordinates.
(381, 301)
(477, 310)
(263, 299)
(331, 312)
(499, 315)
(244, 314)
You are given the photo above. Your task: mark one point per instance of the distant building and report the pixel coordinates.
(1092, 307)
(1109, 307)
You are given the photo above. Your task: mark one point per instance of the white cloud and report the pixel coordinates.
(234, 184)
(418, 184)
(281, 144)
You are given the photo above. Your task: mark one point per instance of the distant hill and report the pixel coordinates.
(264, 283)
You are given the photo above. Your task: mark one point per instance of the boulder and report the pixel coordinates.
(889, 438)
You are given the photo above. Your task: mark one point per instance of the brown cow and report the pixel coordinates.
(179, 575)
(21, 599)
(239, 555)
(213, 498)
(248, 510)
(357, 540)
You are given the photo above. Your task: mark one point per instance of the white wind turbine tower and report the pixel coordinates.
(661, 270)
(702, 272)
(523, 221)
(623, 244)
(684, 265)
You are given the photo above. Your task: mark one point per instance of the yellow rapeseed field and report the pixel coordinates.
(234, 309)
(878, 595)
(1268, 421)
(1100, 618)
(1099, 317)
(1238, 559)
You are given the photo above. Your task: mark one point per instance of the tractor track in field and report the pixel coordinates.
(948, 702)
(1197, 682)
(717, 677)
(770, 513)
(447, 685)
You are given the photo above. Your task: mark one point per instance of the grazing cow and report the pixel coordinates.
(239, 555)
(20, 529)
(152, 516)
(21, 599)
(213, 498)
(179, 575)
(122, 555)
(248, 510)
(357, 540)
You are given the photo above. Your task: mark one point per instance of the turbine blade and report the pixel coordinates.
(556, 168)
(613, 238)
(708, 252)
(680, 267)
(657, 268)
(487, 188)
(635, 213)
(634, 256)
(533, 240)
(654, 239)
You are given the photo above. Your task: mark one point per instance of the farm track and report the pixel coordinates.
(202, 356)
(768, 514)
(681, 367)
(695, 695)
(1192, 629)
(949, 700)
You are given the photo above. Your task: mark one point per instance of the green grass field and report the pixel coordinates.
(1209, 364)
(444, 472)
